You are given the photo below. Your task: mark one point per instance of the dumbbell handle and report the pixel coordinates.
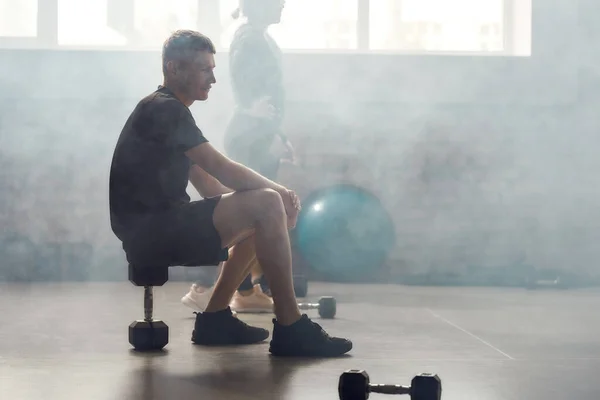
(307, 306)
(148, 303)
(389, 389)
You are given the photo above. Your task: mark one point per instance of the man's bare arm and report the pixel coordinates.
(240, 178)
(231, 174)
(206, 184)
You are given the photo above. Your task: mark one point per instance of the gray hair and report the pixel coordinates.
(182, 44)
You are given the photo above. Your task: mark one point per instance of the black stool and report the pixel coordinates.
(153, 334)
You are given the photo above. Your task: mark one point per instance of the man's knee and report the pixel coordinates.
(238, 213)
(268, 198)
(267, 203)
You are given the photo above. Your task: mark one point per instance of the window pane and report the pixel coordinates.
(437, 25)
(83, 23)
(18, 18)
(305, 24)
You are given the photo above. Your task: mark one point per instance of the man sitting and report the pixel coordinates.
(159, 150)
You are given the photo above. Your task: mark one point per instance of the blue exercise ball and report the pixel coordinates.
(344, 233)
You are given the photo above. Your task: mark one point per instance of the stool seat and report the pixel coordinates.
(157, 272)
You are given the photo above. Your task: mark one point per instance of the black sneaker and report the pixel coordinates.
(222, 328)
(306, 338)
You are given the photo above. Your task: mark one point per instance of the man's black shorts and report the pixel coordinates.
(183, 236)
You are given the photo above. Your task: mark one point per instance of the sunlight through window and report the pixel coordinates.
(437, 25)
(18, 18)
(83, 23)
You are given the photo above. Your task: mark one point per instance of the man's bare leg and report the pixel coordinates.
(255, 273)
(261, 212)
(241, 259)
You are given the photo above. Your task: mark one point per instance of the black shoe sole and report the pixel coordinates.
(224, 341)
(316, 353)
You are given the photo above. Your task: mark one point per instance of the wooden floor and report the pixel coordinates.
(69, 341)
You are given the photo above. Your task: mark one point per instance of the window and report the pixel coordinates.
(437, 25)
(140, 23)
(317, 24)
(305, 24)
(413, 26)
(450, 26)
(83, 23)
(18, 18)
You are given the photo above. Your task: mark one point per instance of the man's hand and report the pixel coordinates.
(292, 205)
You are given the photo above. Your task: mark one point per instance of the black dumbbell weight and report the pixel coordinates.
(148, 334)
(355, 385)
(326, 307)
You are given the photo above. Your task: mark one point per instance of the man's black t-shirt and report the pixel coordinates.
(150, 171)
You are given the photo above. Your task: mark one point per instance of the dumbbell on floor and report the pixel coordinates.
(355, 385)
(326, 307)
(148, 334)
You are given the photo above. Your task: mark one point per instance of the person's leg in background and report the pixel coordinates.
(200, 291)
(249, 297)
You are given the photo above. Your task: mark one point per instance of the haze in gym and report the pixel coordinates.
(447, 163)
